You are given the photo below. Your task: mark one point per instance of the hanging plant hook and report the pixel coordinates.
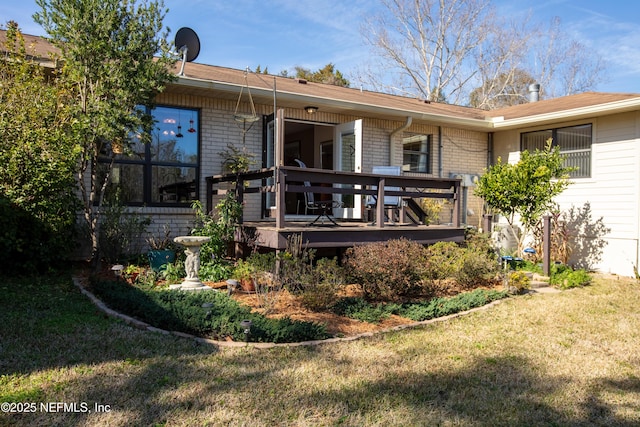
(245, 118)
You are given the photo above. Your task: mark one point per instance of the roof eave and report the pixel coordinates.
(345, 106)
(564, 115)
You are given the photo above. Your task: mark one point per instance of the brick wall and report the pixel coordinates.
(462, 151)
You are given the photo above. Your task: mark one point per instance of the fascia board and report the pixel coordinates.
(488, 124)
(355, 107)
(572, 114)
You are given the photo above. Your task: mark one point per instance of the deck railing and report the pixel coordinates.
(290, 179)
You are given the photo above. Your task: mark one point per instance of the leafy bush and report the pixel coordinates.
(326, 279)
(473, 264)
(387, 270)
(220, 226)
(183, 311)
(29, 245)
(442, 259)
(38, 161)
(475, 268)
(529, 266)
(438, 307)
(360, 309)
(564, 277)
(174, 272)
(215, 271)
(121, 231)
(519, 281)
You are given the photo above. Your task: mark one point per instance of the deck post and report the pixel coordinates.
(546, 245)
(456, 204)
(209, 193)
(380, 203)
(280, 196)
(240, 196)
(487, 219)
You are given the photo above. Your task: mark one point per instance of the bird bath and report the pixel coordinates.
(192, 263)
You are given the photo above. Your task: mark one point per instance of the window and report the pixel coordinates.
(165, 171)
(416, 153)
(574, 143)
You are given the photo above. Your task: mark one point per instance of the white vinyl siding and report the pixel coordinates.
(613, 191)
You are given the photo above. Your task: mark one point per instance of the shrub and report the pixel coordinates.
(531, 266)
(326, 279)
(387, 270)
(442, 260)
(479, 242)
(519, 281)
(359, 309)
(473, 264)
(121, 232)
(438, 307)
(219, 226)
(296, 264)
(475, 268)
(29, 244)
(183, 311)
(564, 277)
(216, 270)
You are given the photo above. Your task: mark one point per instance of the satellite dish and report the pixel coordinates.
(187, 43)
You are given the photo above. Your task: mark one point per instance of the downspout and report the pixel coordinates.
(440, 165)
(402, 128)
(489, 149)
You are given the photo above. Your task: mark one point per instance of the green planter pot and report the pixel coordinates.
(160, 258)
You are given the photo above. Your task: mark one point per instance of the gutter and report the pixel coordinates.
(440, 148)
(348, 106)
(486, 124)
(632, 104)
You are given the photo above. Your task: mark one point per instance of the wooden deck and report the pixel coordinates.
(348, 234)
(273, 232)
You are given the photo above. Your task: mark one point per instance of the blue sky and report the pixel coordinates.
(281, 34)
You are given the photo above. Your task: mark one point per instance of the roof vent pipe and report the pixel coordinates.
(534, 92)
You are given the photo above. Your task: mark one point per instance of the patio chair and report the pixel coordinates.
(393, 203)
(323, 207)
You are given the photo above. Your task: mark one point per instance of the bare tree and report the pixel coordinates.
(502, 79)
(564, 66)
(459, 51)
(428, 45)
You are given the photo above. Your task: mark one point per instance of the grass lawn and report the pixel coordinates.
(566, 359)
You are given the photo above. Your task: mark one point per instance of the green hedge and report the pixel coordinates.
(183, 311)
(360, 309)
(438, 307)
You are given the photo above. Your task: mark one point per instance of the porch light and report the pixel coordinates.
(310, 109)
